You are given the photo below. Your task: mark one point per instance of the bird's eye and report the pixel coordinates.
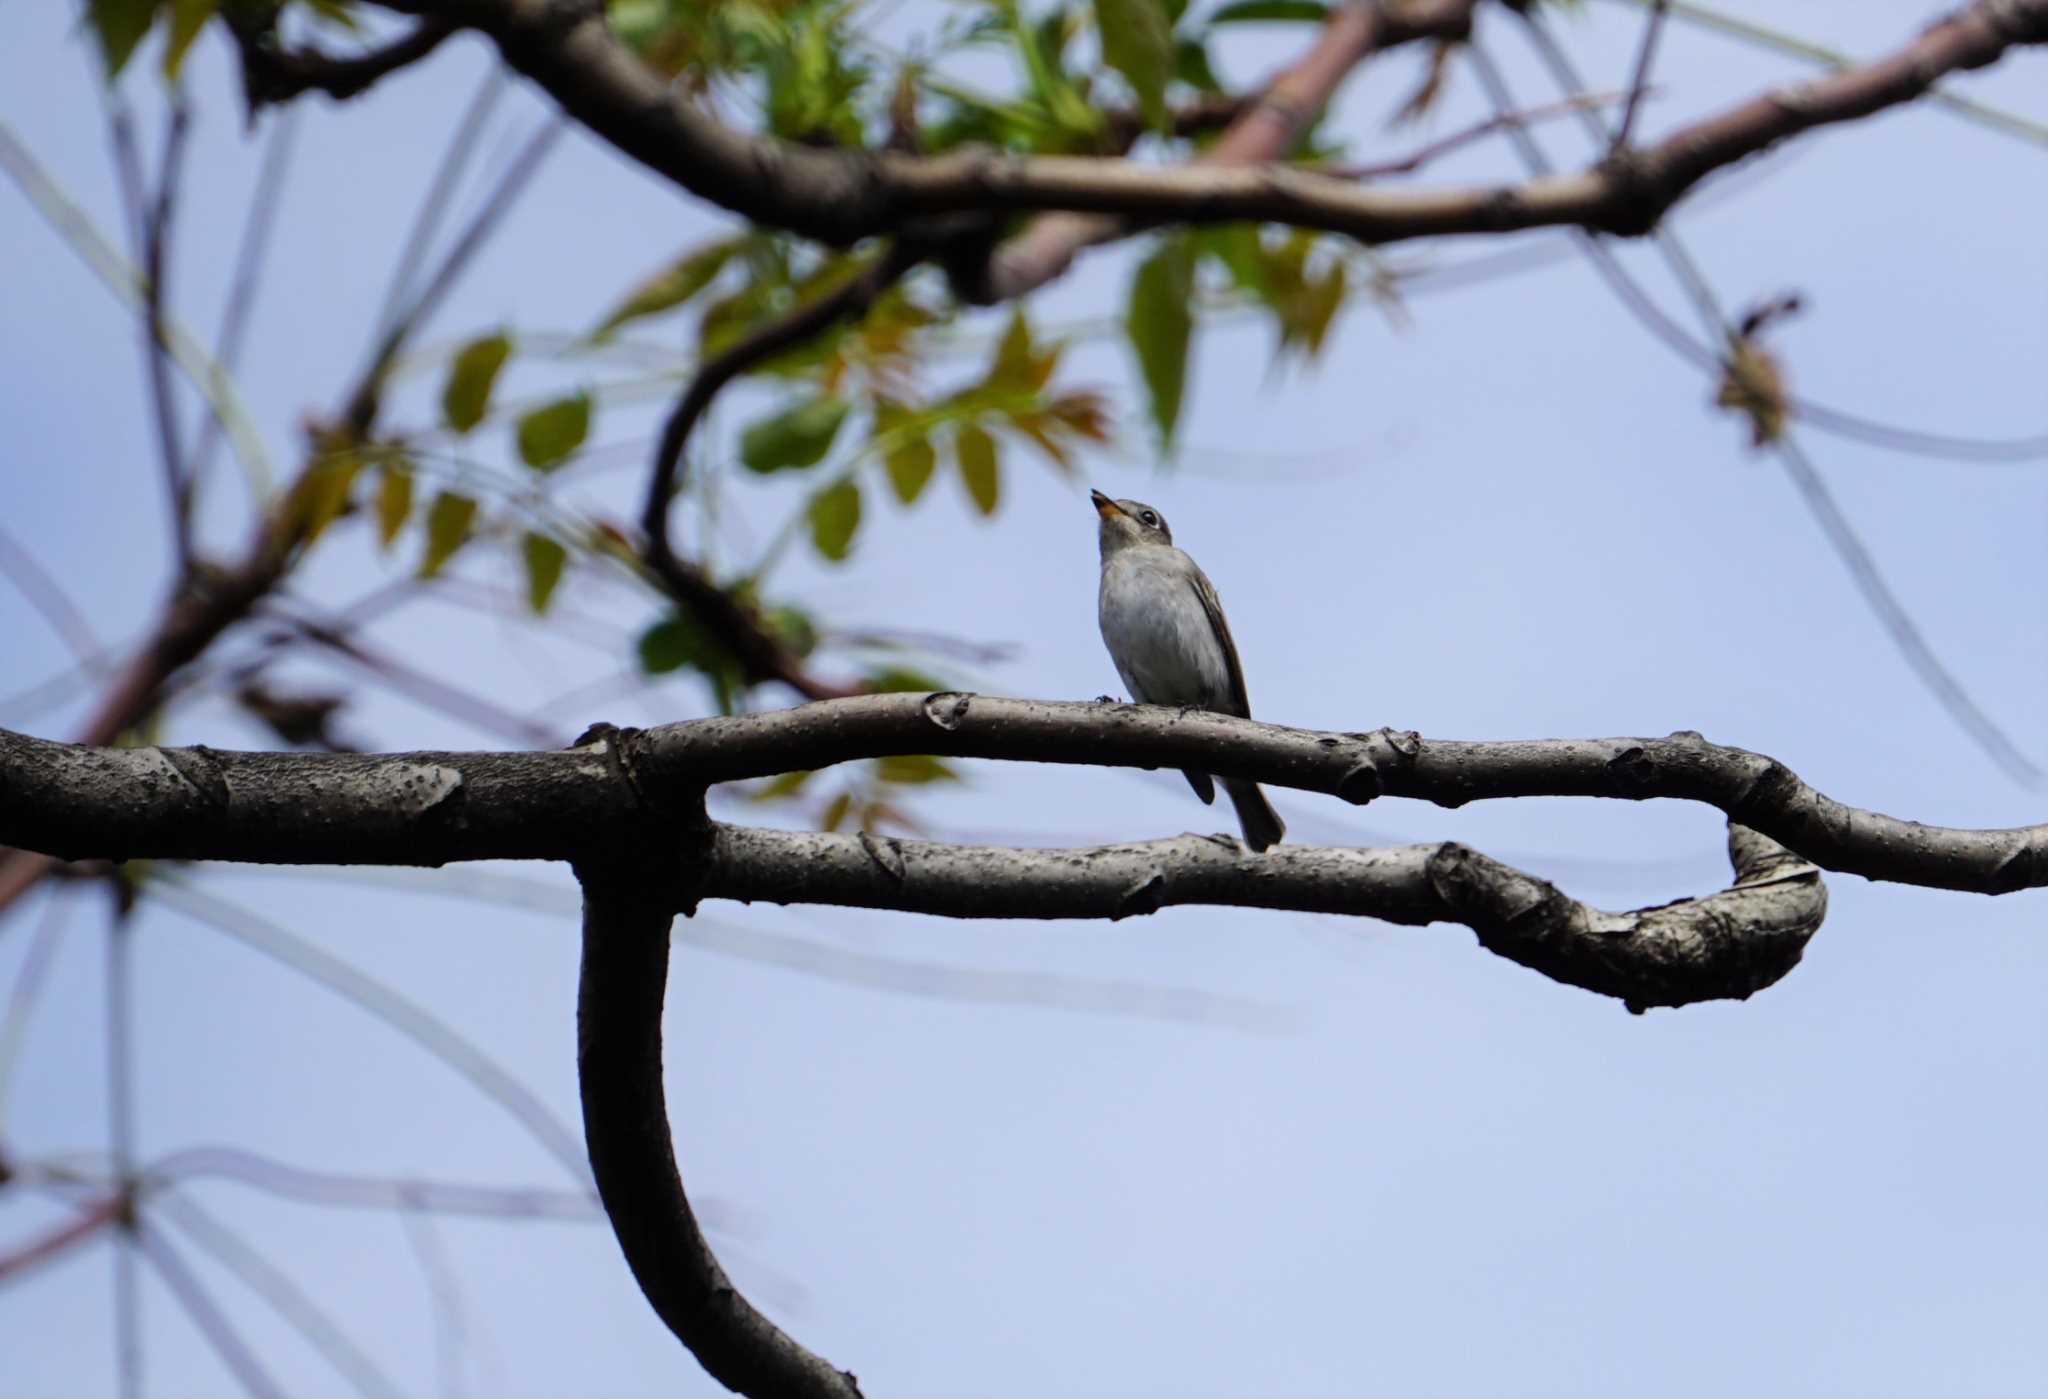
(1148, 518)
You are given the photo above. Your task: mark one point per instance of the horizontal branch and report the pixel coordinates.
(841, 196)
(1727, 945)
(433, 808)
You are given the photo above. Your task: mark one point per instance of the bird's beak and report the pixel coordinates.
(1104, 506)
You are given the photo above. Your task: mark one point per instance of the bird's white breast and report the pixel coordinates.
(1157, 631)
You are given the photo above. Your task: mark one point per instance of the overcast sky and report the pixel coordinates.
(1209, 1152)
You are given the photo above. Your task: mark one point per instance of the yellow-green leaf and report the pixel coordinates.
(394, 503)
(321, 494)
(910, 464)
(977, 453)
(544, 560)
(120, 25)
(470, 376)
(448, 521)
(187, 18)
(1137, 41)
(550, 435)
(787, 785)
(834, 515)
(914, 768)
(835, 813)
(1019, 364)
(1159, 325)
(796, 437)
(671, 287)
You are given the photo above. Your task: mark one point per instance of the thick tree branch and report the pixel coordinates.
(841, 196)
(433, 808)
(626, 916)
(1728, 945)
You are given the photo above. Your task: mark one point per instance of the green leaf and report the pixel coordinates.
(1191, 66)
(672, 643)
(902, 680)
(448, 522)
(549, 436)
(188, 17)
(911, 463)
(914, 768)
(321, 494)
(977, 454)
(835, 514)
(794, 628)
(794, 438)
(1159, 325)
(120, 25)
(671, 287)
(835, 813)
(544, 559)
(1256, 11)
(787, 785)
(470, 376)
(1137, 41)
(394, 503)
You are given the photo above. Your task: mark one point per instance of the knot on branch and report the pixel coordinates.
(1639, 193)
(1726, 946)
(664, 855)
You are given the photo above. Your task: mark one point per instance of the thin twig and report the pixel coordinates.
(40, 589)
(183, 1284)
(761, 655)
(257, 226)
(271, 74)
(525, 165)
(121, 1142)
(28, 986)
(447, 178)
(1423, 155)
(279, 1291)
(155, 257)
(1855, 555)
(1653, 29)
(370, 995)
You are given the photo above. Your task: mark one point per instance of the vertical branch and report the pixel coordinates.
(624, 981)
(249, 260)
(155, 258)
(121, 1142)
(1653, 29)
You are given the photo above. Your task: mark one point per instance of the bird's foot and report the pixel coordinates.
(1107, 699)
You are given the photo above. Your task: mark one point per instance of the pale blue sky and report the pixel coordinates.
(1430, 1172)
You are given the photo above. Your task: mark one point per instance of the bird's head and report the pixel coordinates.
(1128, 522)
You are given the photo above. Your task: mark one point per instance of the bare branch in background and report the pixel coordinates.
(842, 196)
(1638, 84)
(272, 73)
(761, 655)
(1899, 624)
(46, 596)
(250, 256)
(1268, 128)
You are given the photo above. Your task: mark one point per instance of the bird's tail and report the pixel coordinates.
(1262, 825)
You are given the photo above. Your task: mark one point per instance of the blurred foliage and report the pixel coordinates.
(918, 389)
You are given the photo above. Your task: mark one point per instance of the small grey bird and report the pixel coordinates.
(1164, 628)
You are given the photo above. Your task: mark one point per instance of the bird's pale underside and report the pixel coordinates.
(1167, 635)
